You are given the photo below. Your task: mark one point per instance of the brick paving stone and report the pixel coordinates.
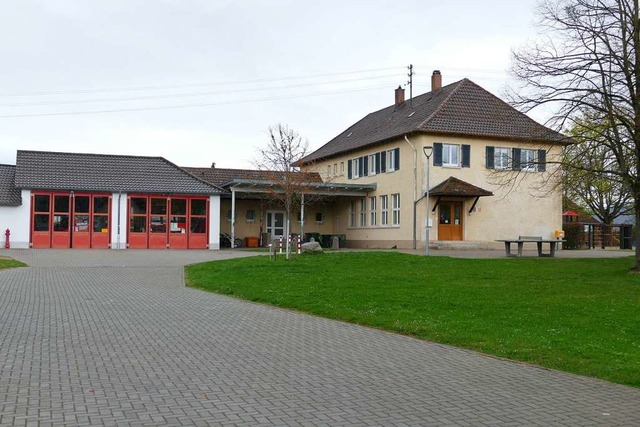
(114, 338)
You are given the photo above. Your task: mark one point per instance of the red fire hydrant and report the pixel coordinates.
(6, 239)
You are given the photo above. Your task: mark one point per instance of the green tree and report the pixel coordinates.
(587, 62)
(588, 178)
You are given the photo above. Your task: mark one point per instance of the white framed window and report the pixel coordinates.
(341, 168)
(356, 167)
(335, 169)
(363, 213)
(373, 217)
(251, 215)
(352, 213)
(501, 157)
(395, 209)
(391, 160)
(384, 210)
(319, 217)
(528, 160)
(372, 165)
(328, 170)
(450, 155)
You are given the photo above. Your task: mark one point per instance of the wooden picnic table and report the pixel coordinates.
(520, 241)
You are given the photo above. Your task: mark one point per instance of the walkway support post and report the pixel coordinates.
(233, 218)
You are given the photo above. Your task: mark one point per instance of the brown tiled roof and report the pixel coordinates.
(9, 194)
(47, 170)
(457, 187)
(220, 177)
(462, 108)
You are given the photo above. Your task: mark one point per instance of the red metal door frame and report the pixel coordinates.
(40, 239)
(60, 239)
(178, 230)
(100, 239)
(198, 240)
(158, 238)
(80, 230)
(138, 239)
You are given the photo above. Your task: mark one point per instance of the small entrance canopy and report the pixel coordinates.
(454, 187)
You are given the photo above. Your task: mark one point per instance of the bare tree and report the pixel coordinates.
(587, 62)
(278, 159)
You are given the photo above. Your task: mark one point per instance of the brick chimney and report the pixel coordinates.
(436, 81)
(399, 96)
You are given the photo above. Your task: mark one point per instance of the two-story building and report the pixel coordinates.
(491, 170)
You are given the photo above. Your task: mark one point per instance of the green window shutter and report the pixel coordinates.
(383, 161)
(491, 154)
(437, 154)
(466, 155)
(542, 160)
(366, 166)
(516, 159)
(349, 172)
(361, 167)
(397, 159)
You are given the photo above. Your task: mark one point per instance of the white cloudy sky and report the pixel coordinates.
(200, 81)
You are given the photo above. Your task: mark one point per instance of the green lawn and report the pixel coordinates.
(577, 315)
(10, 263)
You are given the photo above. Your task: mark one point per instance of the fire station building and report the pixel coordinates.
(74, 200)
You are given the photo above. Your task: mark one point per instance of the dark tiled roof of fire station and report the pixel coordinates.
(462, 108)
(104, 172)
(457, 187)
(9, 194)
(220, 177)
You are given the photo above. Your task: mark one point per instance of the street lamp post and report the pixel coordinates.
(427, 150)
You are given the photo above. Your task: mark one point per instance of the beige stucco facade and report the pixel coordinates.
(523, 202)
(319, 217)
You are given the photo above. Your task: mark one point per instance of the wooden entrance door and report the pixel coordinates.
(450, 223)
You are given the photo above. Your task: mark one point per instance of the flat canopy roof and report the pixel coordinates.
(259, 187)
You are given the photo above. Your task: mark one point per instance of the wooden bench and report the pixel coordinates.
(538, 240)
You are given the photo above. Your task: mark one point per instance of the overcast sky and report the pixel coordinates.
(200, 81)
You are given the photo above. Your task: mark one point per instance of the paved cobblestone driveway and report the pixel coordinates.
(113, 338)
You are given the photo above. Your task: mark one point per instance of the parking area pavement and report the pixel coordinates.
(114, 338)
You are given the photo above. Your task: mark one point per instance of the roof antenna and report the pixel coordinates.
(410, 82)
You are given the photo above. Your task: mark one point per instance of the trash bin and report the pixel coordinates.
(251, 242)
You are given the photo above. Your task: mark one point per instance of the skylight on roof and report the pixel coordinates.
(350, 133)
(412, 113)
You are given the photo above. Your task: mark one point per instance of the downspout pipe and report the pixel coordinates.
(415, 189)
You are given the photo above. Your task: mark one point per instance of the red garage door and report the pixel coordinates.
(161, 222)
(69, 220)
